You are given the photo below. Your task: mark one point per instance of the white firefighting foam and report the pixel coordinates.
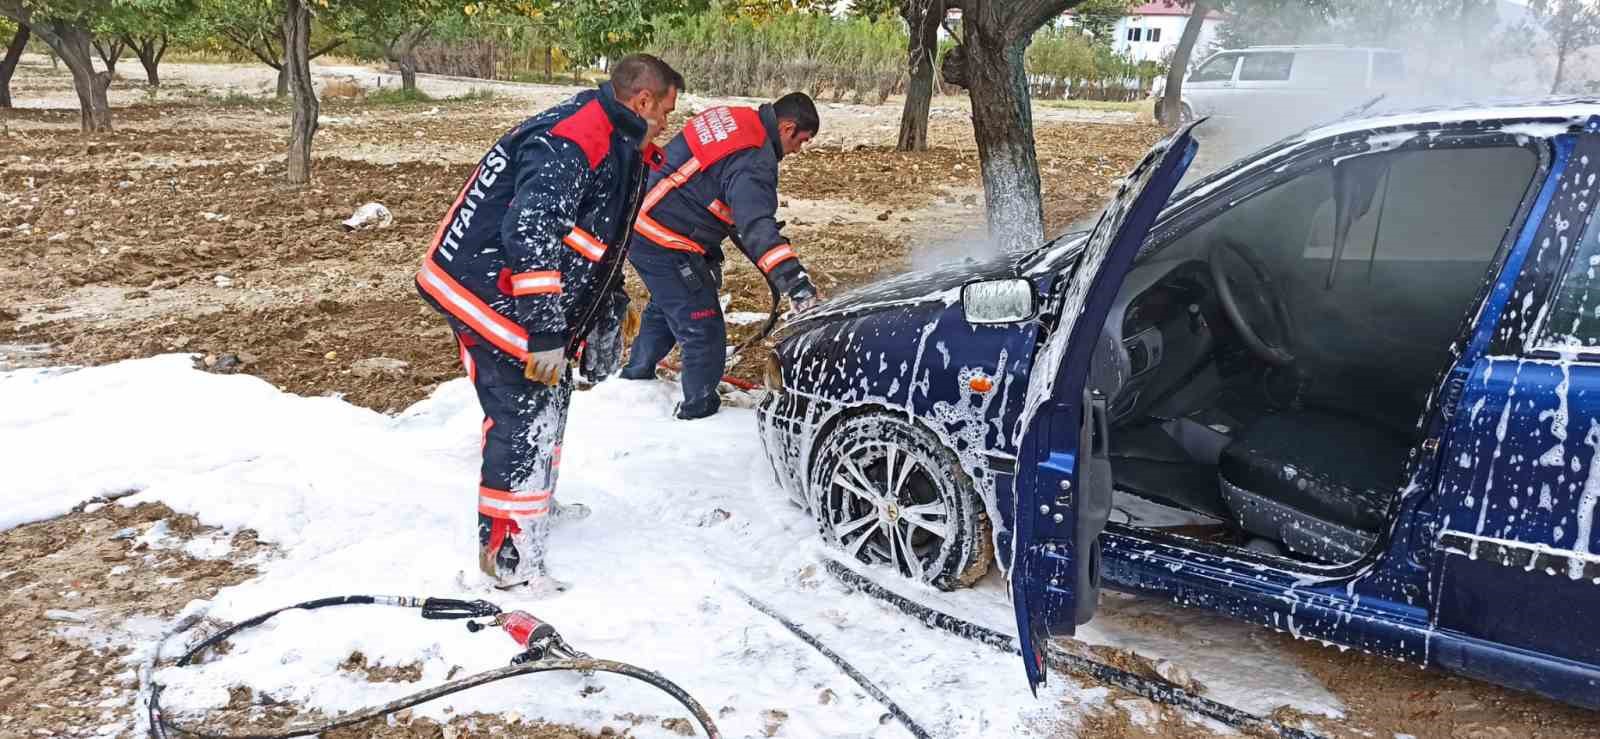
(359, 502)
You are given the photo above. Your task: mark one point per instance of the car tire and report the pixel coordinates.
(876, 473)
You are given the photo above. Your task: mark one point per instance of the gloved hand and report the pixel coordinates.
(603, 347)
(546, 367)
(804, 296)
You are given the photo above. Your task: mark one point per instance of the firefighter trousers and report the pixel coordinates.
(523, 424)
(684, 309)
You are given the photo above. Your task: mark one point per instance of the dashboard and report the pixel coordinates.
(1158, 333)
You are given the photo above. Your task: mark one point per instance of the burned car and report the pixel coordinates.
(1347, 388)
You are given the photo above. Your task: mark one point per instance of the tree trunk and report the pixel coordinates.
(8, 65)
(1561, 70)
(1172, 99)
(283, 81)
(110, 51)
(150, 50)
(403, 52)
(1002, 121)
(922, 18)
(71, 43)
(549, 63)
(297, 63)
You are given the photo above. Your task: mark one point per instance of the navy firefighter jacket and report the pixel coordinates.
(721, 179)
(532, 251)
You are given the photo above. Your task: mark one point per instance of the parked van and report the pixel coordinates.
(1307, 84)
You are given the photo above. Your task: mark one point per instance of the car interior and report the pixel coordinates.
(1266, 372)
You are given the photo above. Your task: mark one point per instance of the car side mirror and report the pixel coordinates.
(998, 301)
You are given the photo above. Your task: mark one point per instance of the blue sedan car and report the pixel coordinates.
(1347, 388)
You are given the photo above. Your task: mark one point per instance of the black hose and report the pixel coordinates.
(433, 608)
(848, 669)
(1160, 691)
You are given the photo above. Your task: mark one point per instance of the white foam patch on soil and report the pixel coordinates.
(360, 502)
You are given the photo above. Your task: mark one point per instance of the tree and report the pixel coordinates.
(297, 65)
(18, 34)
(875, 9)
(256, 27)
(1171, 107)
(109, 47)
(989, 64)
(160, 24)
(65, 26)
(1098, 18)
(1571, 25)
(923, 18)
(397, 27)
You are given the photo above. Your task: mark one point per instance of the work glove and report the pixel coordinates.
(546, 367)
(603, 347)
(803, 296)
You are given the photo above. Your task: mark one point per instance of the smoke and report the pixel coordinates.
(1444, 52)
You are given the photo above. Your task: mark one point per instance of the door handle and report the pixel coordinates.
(1100, 432)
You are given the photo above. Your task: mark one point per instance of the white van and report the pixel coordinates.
(1306, 83)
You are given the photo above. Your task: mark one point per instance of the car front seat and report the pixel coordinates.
(1319, 483)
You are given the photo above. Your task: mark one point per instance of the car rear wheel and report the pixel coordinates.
(888, 492)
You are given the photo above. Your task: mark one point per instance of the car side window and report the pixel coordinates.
(1219, 69)
(1272, 66)
(1573, 321)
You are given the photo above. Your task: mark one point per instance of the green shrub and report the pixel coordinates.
(858, 59)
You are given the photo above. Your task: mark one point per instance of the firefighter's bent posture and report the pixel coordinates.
(720, 180)
(527, 268)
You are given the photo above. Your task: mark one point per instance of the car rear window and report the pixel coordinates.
(1272, 66)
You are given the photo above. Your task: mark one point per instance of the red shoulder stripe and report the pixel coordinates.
(589, 128)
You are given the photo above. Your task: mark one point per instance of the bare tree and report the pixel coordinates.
(8, 64)
(923, 18)
(989, 64)
(297, 63)
(1171, 106)
(1571, 25)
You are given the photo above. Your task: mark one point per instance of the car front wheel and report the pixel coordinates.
(888, 492)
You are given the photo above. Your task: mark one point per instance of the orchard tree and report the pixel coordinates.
(988, 62)
(65, 26)
(18, 36)
(923, 19)
(150, 33)
(109, 46)
(257, 28)
(1571, 25)
(398, 27)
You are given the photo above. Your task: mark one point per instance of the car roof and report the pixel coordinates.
(1541, 118)
(1310, 47)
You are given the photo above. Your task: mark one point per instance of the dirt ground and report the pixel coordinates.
(175, 234)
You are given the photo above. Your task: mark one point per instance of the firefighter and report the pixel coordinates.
(527, 269)
(720, 180)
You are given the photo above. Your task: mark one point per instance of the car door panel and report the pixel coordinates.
(1515, 537)
(1062, 490)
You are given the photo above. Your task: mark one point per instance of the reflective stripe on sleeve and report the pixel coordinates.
(536, 283)
(775, 256)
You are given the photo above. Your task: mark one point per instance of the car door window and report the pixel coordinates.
(1219, 69)
(1573, 321)
(1272, 66)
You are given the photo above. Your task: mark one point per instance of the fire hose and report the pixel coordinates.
(544, 650)
(1157, 690)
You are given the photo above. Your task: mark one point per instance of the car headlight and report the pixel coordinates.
(772, 373)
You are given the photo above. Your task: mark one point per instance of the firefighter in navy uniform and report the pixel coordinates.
(720, 180)
(527, 268)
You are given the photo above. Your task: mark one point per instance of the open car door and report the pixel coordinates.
(1063, 470)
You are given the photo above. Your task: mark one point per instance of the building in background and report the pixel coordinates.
(1150, 32)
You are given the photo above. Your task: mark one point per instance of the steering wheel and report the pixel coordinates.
(1264, 302)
